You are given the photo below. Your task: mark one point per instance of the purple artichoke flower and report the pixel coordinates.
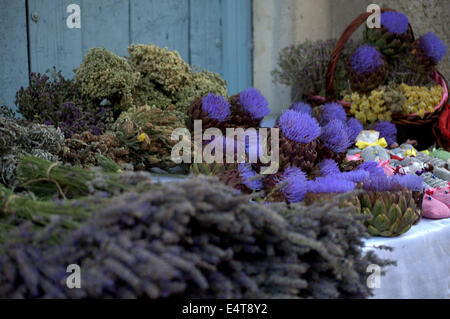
(354, 128)
(254, 103)
(299, 127)
(216, 106)
(387, 130)
(432, 46)
(366, 59)
(394, 22)
(411, 182)
(301, 107)
(246, 171)
(296, 187)
(334, 136)
(372, 168)
(357, 176)
(330, 184)
(332, 111)
(329, 167)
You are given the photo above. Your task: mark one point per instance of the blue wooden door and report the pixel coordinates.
(211, 34)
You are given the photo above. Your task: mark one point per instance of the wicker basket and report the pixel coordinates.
(409, 126)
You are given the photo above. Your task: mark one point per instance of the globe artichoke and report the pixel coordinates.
(248, 108)
(392, 213)
(213, 110)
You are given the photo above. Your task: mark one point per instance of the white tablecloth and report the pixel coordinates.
(423, 262)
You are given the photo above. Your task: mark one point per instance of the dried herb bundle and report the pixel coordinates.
(193, 239)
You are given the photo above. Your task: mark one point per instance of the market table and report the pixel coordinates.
(423, 262)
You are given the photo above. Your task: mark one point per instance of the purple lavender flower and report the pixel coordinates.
(216, 106)
(296, 187)
(387, 130)
(334, 136)
(301, 107)
(372, 168)
(354, 128)
(394, 22)
(330, 184)
(366, 59)
(332, 111)
(246, 171)
(432, 46)
(411, 182)
(329, 167)
(299, 127)
(254, 103)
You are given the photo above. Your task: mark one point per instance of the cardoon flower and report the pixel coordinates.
(330, 184)
(354, 128)
(254, 103)
(334, 136)
(366, 59)
(329, 167)
(332, 111)
(357, 176)
(216, 106)
(387, 130)
(301, 107)
(246, 171)
(432, 46)
(372, 168)
(299, 127)
(411, 182)
(394, 22)
(296, 187)
(381, 183)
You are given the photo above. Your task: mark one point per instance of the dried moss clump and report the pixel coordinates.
(104, 75)
(193, 239)
(147, 132)
(164, 67)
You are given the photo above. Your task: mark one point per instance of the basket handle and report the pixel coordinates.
(336, 53)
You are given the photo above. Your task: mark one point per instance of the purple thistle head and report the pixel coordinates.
(299, 127)
(332, 111)
(394, 22)
(357, 176)
(254, 103)
(301, 107)
(329, 167)
(216, 106)
(334, 136)
(380, 183)
(432, 46)
(296, 187)
(372, 168)
(387, 130)
(354, 128)
(411, 182)
(366, 59)
(246, 171)
(330, 184)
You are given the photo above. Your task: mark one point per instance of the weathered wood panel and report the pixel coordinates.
(206, 34)
(13, 49)
(237, 44)
(164, 23)
(52, 43)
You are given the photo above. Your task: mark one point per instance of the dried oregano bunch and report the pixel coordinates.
(104, 75)
(16, 140)
(193, 239)
(85, 149)
(147, 132)
(166, 68)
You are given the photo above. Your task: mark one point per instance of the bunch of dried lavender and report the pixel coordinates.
(193, 239)
(55, 100)
(17, 140)
(303, 67)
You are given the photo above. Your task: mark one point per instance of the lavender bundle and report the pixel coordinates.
(193, 239)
